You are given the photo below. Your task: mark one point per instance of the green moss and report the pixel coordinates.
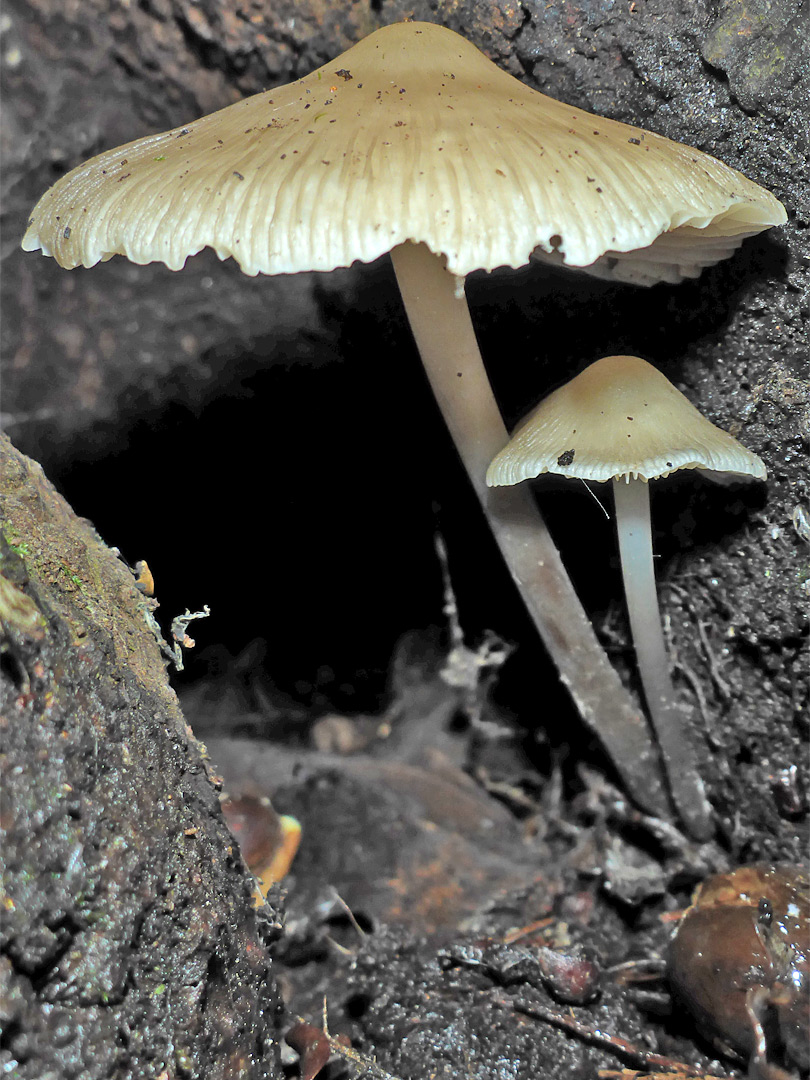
(70, 575)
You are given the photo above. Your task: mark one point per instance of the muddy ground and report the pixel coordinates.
(168, 409)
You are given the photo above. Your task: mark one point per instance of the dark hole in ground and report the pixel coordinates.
(357, 1005)
(345, 930)
(11, 667)
(301, 504)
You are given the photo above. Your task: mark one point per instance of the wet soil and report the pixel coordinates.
(129, 947)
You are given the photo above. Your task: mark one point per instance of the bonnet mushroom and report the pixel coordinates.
(622, 420)
(413, 143)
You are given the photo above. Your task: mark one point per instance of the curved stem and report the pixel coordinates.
(440, 320)
(632, 498)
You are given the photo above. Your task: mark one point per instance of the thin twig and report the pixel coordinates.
(367, 1064)
(697, 690)
(614, 1044)
(714, 668)
(349, 912)
(467, 669)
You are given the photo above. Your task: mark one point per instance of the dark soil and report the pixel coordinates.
(129, 946)
(170, 410)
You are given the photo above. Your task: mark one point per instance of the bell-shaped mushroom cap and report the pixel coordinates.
(620, 417)
(412, 134)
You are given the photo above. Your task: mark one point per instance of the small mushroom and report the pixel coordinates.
(412, 142)
(621, 419)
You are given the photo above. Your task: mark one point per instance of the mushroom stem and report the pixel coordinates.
(440, 320)
(632, 500)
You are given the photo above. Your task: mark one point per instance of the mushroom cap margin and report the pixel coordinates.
(412, 134)
(619, 418)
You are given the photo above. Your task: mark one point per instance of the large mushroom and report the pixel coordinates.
(413, 143)
(622, 420)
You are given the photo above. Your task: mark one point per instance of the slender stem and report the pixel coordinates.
(444, 334)
(632, 499)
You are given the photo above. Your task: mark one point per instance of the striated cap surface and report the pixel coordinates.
(412, 134)
(620, 417)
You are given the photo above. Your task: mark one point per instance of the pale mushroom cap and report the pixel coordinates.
(620, 417)
(412, 134)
